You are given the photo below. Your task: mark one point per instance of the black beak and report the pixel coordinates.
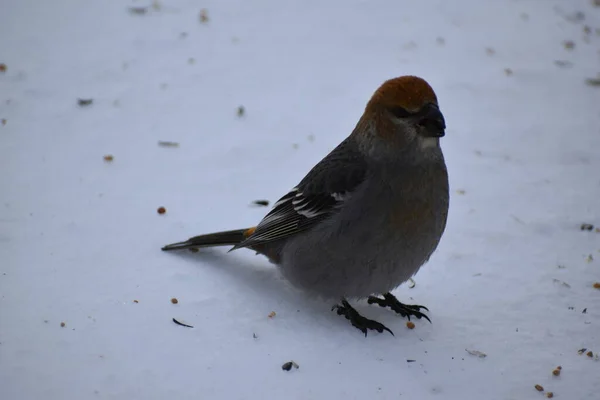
(433, 121)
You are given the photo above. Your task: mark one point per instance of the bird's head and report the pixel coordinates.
(403, 114)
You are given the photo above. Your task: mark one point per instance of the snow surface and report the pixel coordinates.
(80, 237)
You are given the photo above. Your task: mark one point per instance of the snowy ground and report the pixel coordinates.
(80, 237)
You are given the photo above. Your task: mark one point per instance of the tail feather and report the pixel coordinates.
(225, 238)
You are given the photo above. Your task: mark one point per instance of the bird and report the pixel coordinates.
(367, 216)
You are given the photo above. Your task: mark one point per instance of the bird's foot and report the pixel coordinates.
(405, 310)
(357, 320)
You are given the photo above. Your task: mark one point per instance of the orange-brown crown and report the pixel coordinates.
(408, 92)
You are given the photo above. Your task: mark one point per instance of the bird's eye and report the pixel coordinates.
(400, 112)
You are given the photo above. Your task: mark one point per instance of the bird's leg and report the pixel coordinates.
(405, 310)
(357, 320)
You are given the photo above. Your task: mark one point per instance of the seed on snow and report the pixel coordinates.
(180, 323)
(288, 366)
(586, 227)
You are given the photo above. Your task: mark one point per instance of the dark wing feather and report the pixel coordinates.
(318, 196)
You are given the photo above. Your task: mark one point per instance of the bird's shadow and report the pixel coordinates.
(268, 281)
(264, 280)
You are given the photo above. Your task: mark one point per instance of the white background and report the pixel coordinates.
(80, 237)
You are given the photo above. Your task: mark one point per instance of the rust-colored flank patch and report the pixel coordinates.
(250, 231)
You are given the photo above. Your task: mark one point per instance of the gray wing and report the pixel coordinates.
(317, 197)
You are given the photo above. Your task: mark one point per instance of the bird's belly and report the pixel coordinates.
(354, 267)
(353, 255)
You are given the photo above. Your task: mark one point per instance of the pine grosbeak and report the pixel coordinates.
(366, 217)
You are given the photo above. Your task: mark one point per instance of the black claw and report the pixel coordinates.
(405, 310)
(358, 321)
